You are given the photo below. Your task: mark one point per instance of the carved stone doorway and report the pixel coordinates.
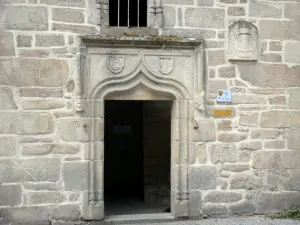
(140, 70)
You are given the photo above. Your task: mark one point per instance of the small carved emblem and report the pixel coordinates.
(166, 65)
(116, 63)
(79, 104)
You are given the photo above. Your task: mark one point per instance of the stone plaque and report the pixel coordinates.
(243, 41)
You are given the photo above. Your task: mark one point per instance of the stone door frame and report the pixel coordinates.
(124, 88)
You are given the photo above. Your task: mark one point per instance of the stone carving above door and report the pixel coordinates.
(243, 41)
(115, 63)
(166, 65)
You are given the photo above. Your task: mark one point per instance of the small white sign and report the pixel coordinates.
(224, 96)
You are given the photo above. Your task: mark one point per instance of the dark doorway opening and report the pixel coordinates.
(137, 154)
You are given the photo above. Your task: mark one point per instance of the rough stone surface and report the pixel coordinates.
(249, 119)
(263, 9)
(206, 131)
(7, 99)
(66, 212)
(222, 197)
(231, 137)
(49, 40)
(251, 145)
(6, 43)
(70, 3)
(41, 92)
(221, 153)
(242, 207)
(214, 209)
(10, 195)
(43, 104)
(78, 182)
(202, 177)
(214, 18)
(24, 170)
(235, 167)
(274, 144)
(24, 40)
(265, 134)
(68, 15)
(279, 119)
(291, 11)
(292, 182)
(227, 72)
(236, 11)
(75, 129)
(7, 146)
(45, 197)
(29, 18)
(293, 140)
(216, 57)
(277, 202)
(294, 102)
(33, 72)
(244, 180)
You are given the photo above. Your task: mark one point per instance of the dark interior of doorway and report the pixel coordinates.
(137, 156)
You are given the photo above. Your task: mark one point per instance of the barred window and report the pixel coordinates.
(128, 13)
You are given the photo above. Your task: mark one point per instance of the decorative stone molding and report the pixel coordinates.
(243, 41)
(143, 78)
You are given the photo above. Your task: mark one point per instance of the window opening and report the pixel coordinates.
(128, 13)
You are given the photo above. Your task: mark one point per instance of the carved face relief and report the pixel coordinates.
(79, 104)
(166, 65)
(115, 63)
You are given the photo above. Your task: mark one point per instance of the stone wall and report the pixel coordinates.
(247, 163)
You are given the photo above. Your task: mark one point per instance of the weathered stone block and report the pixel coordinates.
(10, 195)
(7, 146)
(293, 139)
(36, 149)
(275, 144)
(29, 18)
(47, 40)
(198, 33)
(279, 30)
(265, 134)
(224, 125)
(195, 203)
(42, 104)
(7, 47)
(68, 3)
(263, 9)
(237, 168)
(34, 53)
(270, 75)
(169, 16)
(278, 100)
(291, 182)
(68, 15)
(231, 137)
(243, 156)
(275, 46)
(270, 57)
(249, 119)
(198, 155)
(214, 209)
(75, 129)
(236, 11)
(242, 207)
(279, 119)
(215, 85)
(206, 131)
(240, 98)
(222, 197)
(277, 202)
(33, 72)
(227, 72)
(22, 170)
(245, 180)
(7, 99)
(221, 153)
(46, 186)
(41, 92)
(26, 123)
(65, 212)
(216, 57)
(78, 182)
(65, 149)
(26, 215)
(276, 160)
(291, 52)
(45, 197)
(251, 145)
(214, 17)
(205, 2)
(24, 40)
(79, 29)
(291, 11)
(294, 101)
(202, 177)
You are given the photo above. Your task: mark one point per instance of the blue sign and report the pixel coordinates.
(224, 96)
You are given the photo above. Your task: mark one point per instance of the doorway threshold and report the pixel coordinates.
(141, 218)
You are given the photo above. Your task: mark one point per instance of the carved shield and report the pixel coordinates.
(166, 65)
(116, 63)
